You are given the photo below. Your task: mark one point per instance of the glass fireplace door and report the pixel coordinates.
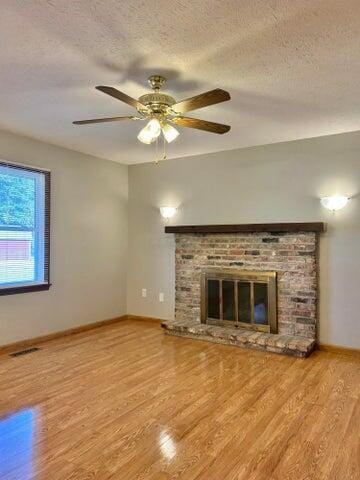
(244, 299)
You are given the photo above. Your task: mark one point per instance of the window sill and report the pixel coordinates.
(25, 289)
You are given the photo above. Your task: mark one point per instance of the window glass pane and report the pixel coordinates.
(260, 304)
(213, 299)
(22, 226)
(228, 300)
(244, 302)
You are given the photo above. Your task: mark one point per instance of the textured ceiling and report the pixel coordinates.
(291, 66)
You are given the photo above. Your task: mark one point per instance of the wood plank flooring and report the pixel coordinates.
(126, 402)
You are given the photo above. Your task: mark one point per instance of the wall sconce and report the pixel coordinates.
(336, 202)
(168, 212)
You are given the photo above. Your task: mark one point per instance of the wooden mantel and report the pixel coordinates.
(249, 228)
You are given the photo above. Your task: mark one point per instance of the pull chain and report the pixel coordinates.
(156, 151)
(157, 156)
(164, 151)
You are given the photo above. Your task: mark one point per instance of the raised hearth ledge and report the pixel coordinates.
(249, 228)
(296, 346)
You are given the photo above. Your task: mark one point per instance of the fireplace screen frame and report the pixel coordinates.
(237, 276)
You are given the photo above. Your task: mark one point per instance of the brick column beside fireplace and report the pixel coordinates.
(292, 255)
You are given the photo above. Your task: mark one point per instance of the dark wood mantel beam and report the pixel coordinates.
(249, 228)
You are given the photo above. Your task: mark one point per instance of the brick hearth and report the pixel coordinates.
(291, 345)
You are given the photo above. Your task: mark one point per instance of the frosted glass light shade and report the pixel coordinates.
(150, 132)
(170, 133)
(336, 202)
(167, 212)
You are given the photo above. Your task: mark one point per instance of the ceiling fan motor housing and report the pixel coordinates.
(157, 102)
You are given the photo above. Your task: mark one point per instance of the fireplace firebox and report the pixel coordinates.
(239, 298)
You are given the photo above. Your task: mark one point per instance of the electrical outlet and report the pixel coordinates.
(144, 293)
(161, 297)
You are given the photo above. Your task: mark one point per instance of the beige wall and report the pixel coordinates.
(88, 244)
(274, 183)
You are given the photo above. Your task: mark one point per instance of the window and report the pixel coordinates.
(24, 229)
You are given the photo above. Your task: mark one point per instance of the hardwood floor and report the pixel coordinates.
(126, 402)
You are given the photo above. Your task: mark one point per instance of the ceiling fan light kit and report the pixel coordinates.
(153, 129)
(162, 110)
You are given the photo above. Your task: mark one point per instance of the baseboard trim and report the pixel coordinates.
(21, 345)
(338, 349)
(139, 318)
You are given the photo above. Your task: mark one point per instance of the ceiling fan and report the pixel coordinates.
(162, 110)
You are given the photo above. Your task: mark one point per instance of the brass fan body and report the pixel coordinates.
(157, 104)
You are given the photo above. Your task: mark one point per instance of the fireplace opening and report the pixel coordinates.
(239, 298)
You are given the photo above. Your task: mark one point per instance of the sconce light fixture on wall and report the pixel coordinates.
(168, 212)
(336, 202)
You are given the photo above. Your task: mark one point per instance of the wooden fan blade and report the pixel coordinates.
(203, 100)
(200, 124)
(113, 92)
(102, 120)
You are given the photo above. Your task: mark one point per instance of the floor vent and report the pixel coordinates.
(24, 352)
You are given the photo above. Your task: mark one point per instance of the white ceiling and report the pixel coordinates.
(291, 66)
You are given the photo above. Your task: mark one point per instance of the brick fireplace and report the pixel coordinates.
(289, 251)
